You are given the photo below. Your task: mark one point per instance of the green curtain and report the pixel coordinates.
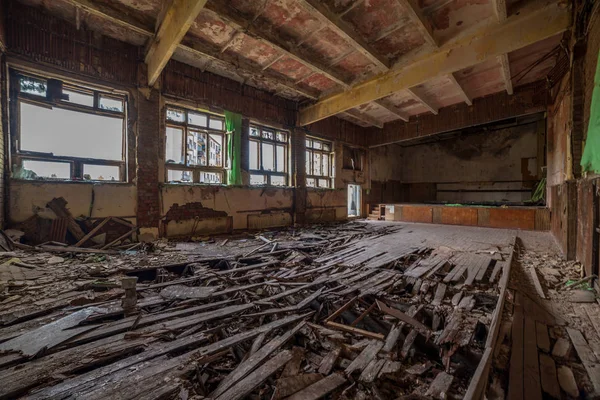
(233, 124)
(591, 153)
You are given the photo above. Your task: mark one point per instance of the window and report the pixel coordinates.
(319, 163)
(268, 154)
(63, 130)
(195, 147)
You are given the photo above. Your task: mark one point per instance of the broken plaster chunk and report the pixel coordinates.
(562, 348)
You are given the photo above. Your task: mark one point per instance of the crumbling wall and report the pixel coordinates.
(493, 165)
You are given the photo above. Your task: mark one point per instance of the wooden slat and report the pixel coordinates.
(587, 357)
(548, 375)
(531, 368)
(515, 380)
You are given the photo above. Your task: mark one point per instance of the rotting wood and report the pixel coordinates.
(549, 378)
(319, 389)
(587, 357)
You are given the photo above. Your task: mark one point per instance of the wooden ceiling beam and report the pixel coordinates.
(457, 85)
(501, 13)
(343, 29)
(529, 26)
(175, 24)
(367, 119)
(420, 21)
(393, 109)
(421, 99)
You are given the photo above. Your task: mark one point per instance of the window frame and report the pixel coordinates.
(260, 139)
(310, 152)
(186, 127)
(55, 98)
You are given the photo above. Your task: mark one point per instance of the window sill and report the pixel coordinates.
(71, 182)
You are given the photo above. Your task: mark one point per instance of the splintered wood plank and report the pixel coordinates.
(440, 385)
(531, 368)
(587, 357)
(254, 360)
(252, 381)
(567, 381)
(548, 374)
(405, 318)
(536, 283)
(593, 312)
(292, 368)
(329, 361)
(320, 389)
(497, 268)
(365, 357)
(292, 384)
(371, 371)
(392, 337)
(543, 340)
(408, 342)
(440, 291)
(515, 380)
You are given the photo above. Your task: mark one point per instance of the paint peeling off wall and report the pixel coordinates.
(214, 204)
(84, 199)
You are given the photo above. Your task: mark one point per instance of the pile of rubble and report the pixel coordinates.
(348, 311)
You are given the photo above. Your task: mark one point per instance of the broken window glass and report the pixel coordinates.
(32, 86)
(175, 115)
(111, 104)
(179, 176)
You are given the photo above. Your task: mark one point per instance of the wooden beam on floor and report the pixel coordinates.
(529, 26)
(457, 85)
(343, 29)
(175, 24)
(393, 109)
(421, 99)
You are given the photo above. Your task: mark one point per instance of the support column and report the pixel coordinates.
(299, 174)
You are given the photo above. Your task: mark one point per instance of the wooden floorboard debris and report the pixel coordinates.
(440, 386)
(587, 357)
(567, 381)
(543, 340)
(365, 357)
(536, 283)
(548, 374)
(424, 330)
(531, 368)
(292, 384)
(562, 348)
(371, 371)
(253, 380)
(440, 291)
(515, 380)
(329, 361)
(321, 388)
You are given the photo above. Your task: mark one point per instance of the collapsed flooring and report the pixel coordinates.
(359, 310)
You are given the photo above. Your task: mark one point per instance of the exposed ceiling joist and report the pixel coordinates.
(343, 29)
(121, 19)
(505, 66)
(421, 99)
(502, 14)
(175, 24)
(458, 86)
(393, 109)
(364, 118)
(528, 27)
(419, 20)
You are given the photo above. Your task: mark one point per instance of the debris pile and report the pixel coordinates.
(55, 228)
(350, 311)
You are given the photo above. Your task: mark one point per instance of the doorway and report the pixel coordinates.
(354, 200)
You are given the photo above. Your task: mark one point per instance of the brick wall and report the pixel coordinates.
(148, 134)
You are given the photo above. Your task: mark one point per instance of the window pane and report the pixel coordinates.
(317, 145)
(326, 147)
(256, 179)
(309, 163)
(210, 177)
(324, 183)
(179, 176)
(310, 182)
(308, 143)
(196, 148)
(317, 164)
(216, 151)
(281, 159)
(325, 164)
(85, 99)
(268, 163)
(267, 134)
(215, 124)
(71, 133)
(111, 104)
(32, 86)
(254, 155)
(47, 169)
(277, 180)
(174, 150)
(254, 131)
(175, 115)
(281, 137)
(197, 119)
(101, 172)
